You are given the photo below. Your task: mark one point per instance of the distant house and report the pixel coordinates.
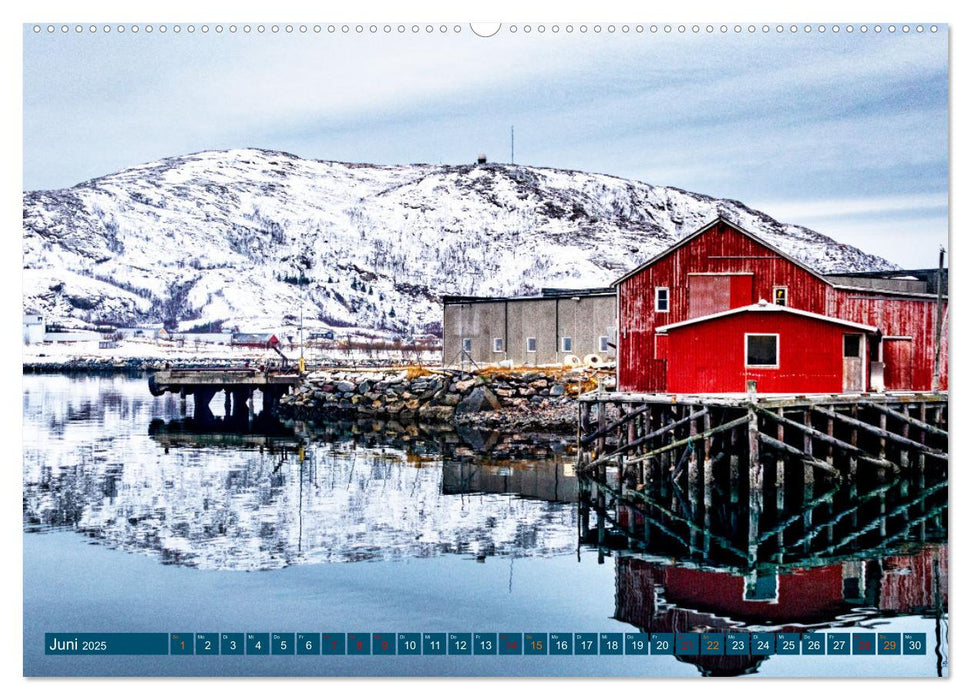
(264, 341)
(224, 338)
(320, 335)
(33, 328)
(146, 332)
(530, 330)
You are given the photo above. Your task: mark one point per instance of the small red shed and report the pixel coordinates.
(784, 350)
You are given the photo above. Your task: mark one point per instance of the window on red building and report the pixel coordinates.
(761, 350)
(661, 302)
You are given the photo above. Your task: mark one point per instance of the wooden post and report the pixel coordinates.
(693, 489)
(754, 486)
(780, 485)
(938, 325)
(808, 481)
(708, 475)
(852, 482)
(830, 460)
(734, 476)
(584, 499)
(882, 418)
(904, 453)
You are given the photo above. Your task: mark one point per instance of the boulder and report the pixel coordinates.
(480, 399)
(464, 386)
(344, 387)
(436, 414)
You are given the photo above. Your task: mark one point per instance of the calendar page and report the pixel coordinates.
(437, 348)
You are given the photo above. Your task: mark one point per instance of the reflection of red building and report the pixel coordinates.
(915, 582)
(721, 599)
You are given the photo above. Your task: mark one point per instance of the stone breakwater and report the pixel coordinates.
(488, 399)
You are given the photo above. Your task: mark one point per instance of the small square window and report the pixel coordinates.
(761, 350)
(497, 345)
(604, 344)
(661, 302)
(566, 344)
(466, 344)
(530, 344)
(851, 346)
(780, 296)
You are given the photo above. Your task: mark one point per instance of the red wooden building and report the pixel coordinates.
(784, 350)
(722, 267)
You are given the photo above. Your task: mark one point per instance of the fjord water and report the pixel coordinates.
(136, 519)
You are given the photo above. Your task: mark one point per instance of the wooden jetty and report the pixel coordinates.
(684, 458)
(238, 384)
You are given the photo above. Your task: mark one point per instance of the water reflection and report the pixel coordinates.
(851, 552)
(219, 494)
(104, 458)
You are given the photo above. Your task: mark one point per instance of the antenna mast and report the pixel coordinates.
(512, 145)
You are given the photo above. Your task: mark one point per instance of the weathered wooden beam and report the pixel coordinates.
(906, 418)
(680, 443)
(883, 434)
(600, 432)
(722, 541)
(823, 437)
(877, 521)
(781, 527)
(637, 443)
(818, 463)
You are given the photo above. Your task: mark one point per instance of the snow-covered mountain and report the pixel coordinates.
(242, 238)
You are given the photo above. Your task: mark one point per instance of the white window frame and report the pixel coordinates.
(657, 300)
(563, 341)
(603, 343)
(786, 290)
(778, 351)
(530, 341)
(498, 345)
(467, 345)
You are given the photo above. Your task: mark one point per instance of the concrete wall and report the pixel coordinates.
(547, 319)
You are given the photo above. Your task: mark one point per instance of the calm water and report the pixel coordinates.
(136, 519)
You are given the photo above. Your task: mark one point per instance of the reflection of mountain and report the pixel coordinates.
(238, 509)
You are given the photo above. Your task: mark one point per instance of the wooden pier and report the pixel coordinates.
(706, 461)
(238, 384)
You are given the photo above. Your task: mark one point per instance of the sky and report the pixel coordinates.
(846, 133)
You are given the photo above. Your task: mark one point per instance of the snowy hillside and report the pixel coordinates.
(242, 238)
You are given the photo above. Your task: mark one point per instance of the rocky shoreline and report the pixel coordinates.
(519, 400)
(525, 399)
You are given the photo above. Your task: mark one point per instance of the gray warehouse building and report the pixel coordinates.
(530, 330)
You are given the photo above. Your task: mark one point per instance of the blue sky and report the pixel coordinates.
(843, 132)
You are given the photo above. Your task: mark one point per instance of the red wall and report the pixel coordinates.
(804, 594)
(709, 356)
(722, 248)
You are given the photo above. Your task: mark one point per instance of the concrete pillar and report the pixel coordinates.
(203, 395)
